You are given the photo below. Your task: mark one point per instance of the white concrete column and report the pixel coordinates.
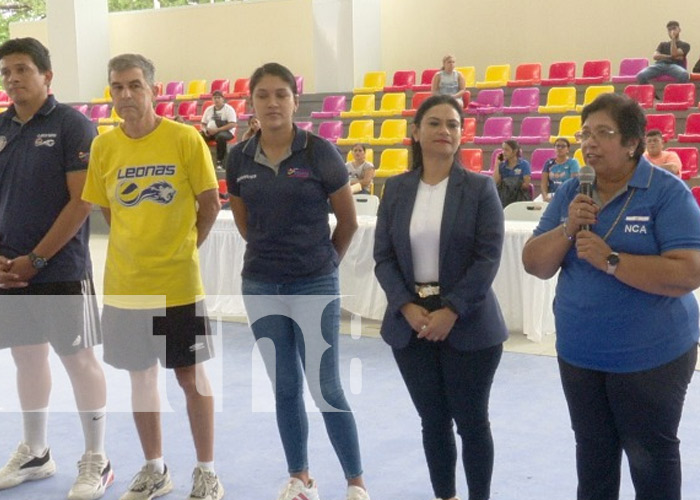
(78, 39)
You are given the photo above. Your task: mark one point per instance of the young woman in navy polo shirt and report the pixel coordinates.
(281, 181)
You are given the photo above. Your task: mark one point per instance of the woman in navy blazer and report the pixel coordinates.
(437, 248)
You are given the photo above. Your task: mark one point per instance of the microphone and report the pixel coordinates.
(586, 177)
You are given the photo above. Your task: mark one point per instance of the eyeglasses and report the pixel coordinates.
(560, 146)
(598, 135)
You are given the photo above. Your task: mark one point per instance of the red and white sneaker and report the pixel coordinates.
(95, 474)
(297, 490)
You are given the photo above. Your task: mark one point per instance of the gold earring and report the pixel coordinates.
(631, 154)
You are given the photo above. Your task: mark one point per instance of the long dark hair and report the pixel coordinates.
(431, 102)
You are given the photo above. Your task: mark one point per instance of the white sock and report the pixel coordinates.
(94, 422)
(207, 466)
(35, 425)
(156, 465)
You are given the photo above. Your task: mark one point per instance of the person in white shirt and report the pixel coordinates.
(219, 124)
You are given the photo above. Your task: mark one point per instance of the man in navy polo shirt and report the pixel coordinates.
(46, 292)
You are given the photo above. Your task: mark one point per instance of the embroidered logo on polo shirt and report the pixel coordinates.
(3, 142)
(84, 156)
(47, 140)
(130, 193)
(637, 224)
(299, 173)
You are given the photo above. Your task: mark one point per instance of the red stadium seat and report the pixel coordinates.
(186, 109)
(426, 80)
(527, 74)
(665, 122)
(692, 129)
(677, 97)
(241, 88)
(594, 72)
(560, 73)
(221, 84)
(468, 130)
(689, 161)
(472, 159)
(416, 101)
(696, 193)
(165, 109)
(643, 94)
(403, 80)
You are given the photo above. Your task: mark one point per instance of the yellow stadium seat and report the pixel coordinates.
(393, 131)
(578, 154)
(392, 104)
(592, 92)
(101, 129)
(113, 118)
(559, 100)
(392, 162)
(374, 82)
(369, 155)
(359, 131)
(469, 74)
(361, 105)
(496, 76)
(568, 126)
(106, 97)
(194, 89)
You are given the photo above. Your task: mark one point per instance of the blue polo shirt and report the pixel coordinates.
(521, 169)
(288, 234)
(603, 324)
(34, 160)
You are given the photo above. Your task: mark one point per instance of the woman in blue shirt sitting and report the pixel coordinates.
(558, 169)
(512, 176)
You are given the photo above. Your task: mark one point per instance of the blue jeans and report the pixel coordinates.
(290, 314)
(678, 73)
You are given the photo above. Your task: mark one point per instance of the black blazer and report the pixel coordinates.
(471, 241)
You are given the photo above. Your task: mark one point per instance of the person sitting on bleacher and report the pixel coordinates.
(668, 160)
(361, 171)
(558, 169)
(512, 175)
(219, 124)
(448, 81)
(670, 58)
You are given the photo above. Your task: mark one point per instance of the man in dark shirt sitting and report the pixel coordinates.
(670, 58)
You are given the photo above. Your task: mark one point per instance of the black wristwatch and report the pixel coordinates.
(38, 263)
(613, 260)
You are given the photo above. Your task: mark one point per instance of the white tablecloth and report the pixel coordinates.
(526, 301)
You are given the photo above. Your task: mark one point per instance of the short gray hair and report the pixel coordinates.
(125, 62)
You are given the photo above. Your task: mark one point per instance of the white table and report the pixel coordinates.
(526, 301)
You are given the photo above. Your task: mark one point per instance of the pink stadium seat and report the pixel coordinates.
(527, 74)
(221, 84)
(689, 161)
(472, 159)
(331, 130)
(537, 160)
(487, 101)
(534, 130)
(496, 130)
(677, 96)
(692, 129)
(171, 90)
(332, 106)
(4, 98)
(99, 111)
(643, 94)
(468, 130)
(82, 108)
(594, 72)
(493, 164)
(403, 80)
(560, 73)
(665, 122)
(426, 80)
(165, 109)
(308, 126)
(696, 193)
(300, 84)
(186, 109)
(629, 68)
(416, 101)
(523, 101)
(241, 88)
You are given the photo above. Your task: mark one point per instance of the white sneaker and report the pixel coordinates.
(206, 486)
(24, 466)
(95, 474)
(357, 493)
(148, 484)
(296, 490)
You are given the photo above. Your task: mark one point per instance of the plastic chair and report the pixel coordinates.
(594, 72)
(525, 100)
(186, 109)
(308, 126)
(358, 131)
(487, 101)
(416, 101)
(578, 154)
(496, 130)
(537, 160)
(692, 129)
(392, 162)
(106, 97)
(496, 76)
(81, 108)
(393, 132)
(592, 92)
(221, 84)
(195, 88)
(239, 106)
(332, 106)
(468, 130)
(374, 81)
(559, 100)
(369, 156)
(534, 130)
(111, 119)
(392, 104)
(643, 94)
(666, 122)
(331, 130)
(568, 126)
(4, 98)
(560, 73)
(629, 68)
(300, 84)
(677, 97)
(99, 111)
(527, 74)
(171, 90)
(426, 80)
(689, 161)
(402, 81)
(469, 74)
(165, 109)
(241, 88)
(101, 129)
(696, 193)
(361, 105)
(525, 210)
(366, 204)
(472, 159)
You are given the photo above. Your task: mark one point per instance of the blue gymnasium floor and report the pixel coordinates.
(534, 444)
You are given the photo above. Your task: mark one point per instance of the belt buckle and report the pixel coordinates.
(425, 291)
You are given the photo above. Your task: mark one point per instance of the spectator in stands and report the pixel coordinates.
(512, 176)
(361, 171)
(626, 316)
(448, 81)
(668, 160)
(219, 124)
(437, 248)
(670, 58)
(558, 169)
(290, 257)
(253, 127)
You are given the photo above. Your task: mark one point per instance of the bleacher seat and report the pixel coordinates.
(369, 156)
(689, 161)
(488, 101)
(578, 155)
(331, 130)
(374, 81)
(392, 104)
(197, 117)
(469, 74)
(496, 75)
(560, 73)
(359, 131)
(692, 129)
(523, 100)
(592, 92)
(111, 119)
(304, 125)
(496, 130)
(472, 159)
(82, 108)
(696, 193)
(666, 122)
(300, 84)
(239, 106)
(468, 130)
(106, 96)
(101, 129)
(165, 109)
(534, 130)
(426, 80)
(187, 109)
(629, 67)
(537, 160)
(677, 97)
(361, 105)
(393, 161)
(559, 100)
(195, 88)
(4, 98)
(416, 101)
(594, 72)
(223, 85)
(568, 126)
(99, 111)
(402, 81)
(171, 90)
(392, 132)
(493, 163)
(643, 94)
(158, 89)
(241, 89)
(332, 106)
(526, 75)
